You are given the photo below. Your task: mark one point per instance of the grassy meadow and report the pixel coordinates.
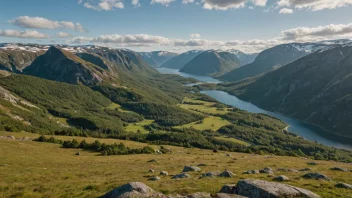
(36, 169)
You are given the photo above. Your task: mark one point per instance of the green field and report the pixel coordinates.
(139, 126)
(211, 122)
(35, 169)
(233, 140)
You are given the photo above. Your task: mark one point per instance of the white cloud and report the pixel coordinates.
(230, 4)
(23, 34)
(43, 23)
(104, 5)
(136, 3)
(187, 1)
(80, 40)
(197, 43)
(127, 40)
(163, 2)
(299, 34)
(194, 36)
(63, 35)
(317, 32)
(314, 5)
(286, 11)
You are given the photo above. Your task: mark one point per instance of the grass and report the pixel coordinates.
(230, 139)
(206, 107)
(134, 127)
(35, 169)
(211, 122)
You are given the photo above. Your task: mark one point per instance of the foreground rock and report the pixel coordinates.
(244, 189)
(198, 195)
(251, 172)
(133, 190)
(164, 173)
(263, 189)
(281, 178)
(210, 174)
(191, 169)
(339, 169)
(156, 178)
(343, 185)
(269, 171)
(223, 195)
(228, 189)
(317, 176)
(181, 176)
(226, 173)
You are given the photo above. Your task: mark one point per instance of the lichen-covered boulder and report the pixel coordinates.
(133, 190)
(164, 173)
(343, 185)
(228, 189)
(226, 173)
(191, 169)
(281, 178)
(339, 169)
(262, 189)
(210, 174)
(181, 176)
(317, 176)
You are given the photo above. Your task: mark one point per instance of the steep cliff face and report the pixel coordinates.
(63, 66)
(316, 88)
(15, 58)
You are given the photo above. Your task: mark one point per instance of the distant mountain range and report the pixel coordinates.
(212, 63)
(316, 88)
(179, 61)
(157, 58)
(243, 57)
(273, 58)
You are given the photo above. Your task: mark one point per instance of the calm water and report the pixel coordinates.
(300, 128)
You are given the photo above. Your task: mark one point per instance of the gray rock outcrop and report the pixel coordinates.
(317, 176)
(181, 176)
(263, 189)
(133, 190)
(191, 169)
(228, 189)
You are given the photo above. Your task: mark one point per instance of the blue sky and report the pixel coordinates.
(248, 25)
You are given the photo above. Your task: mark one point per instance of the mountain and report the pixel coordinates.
(16, 57)
(273, 58)
(181, 60)
(157, 58)
(316, 88)
(243, 57)
(212, 63)
(63, 66)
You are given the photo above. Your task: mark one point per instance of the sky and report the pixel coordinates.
(175, 25)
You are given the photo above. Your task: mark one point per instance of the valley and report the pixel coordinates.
(300, 128)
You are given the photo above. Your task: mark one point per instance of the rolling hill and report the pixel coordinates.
(212, 63)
